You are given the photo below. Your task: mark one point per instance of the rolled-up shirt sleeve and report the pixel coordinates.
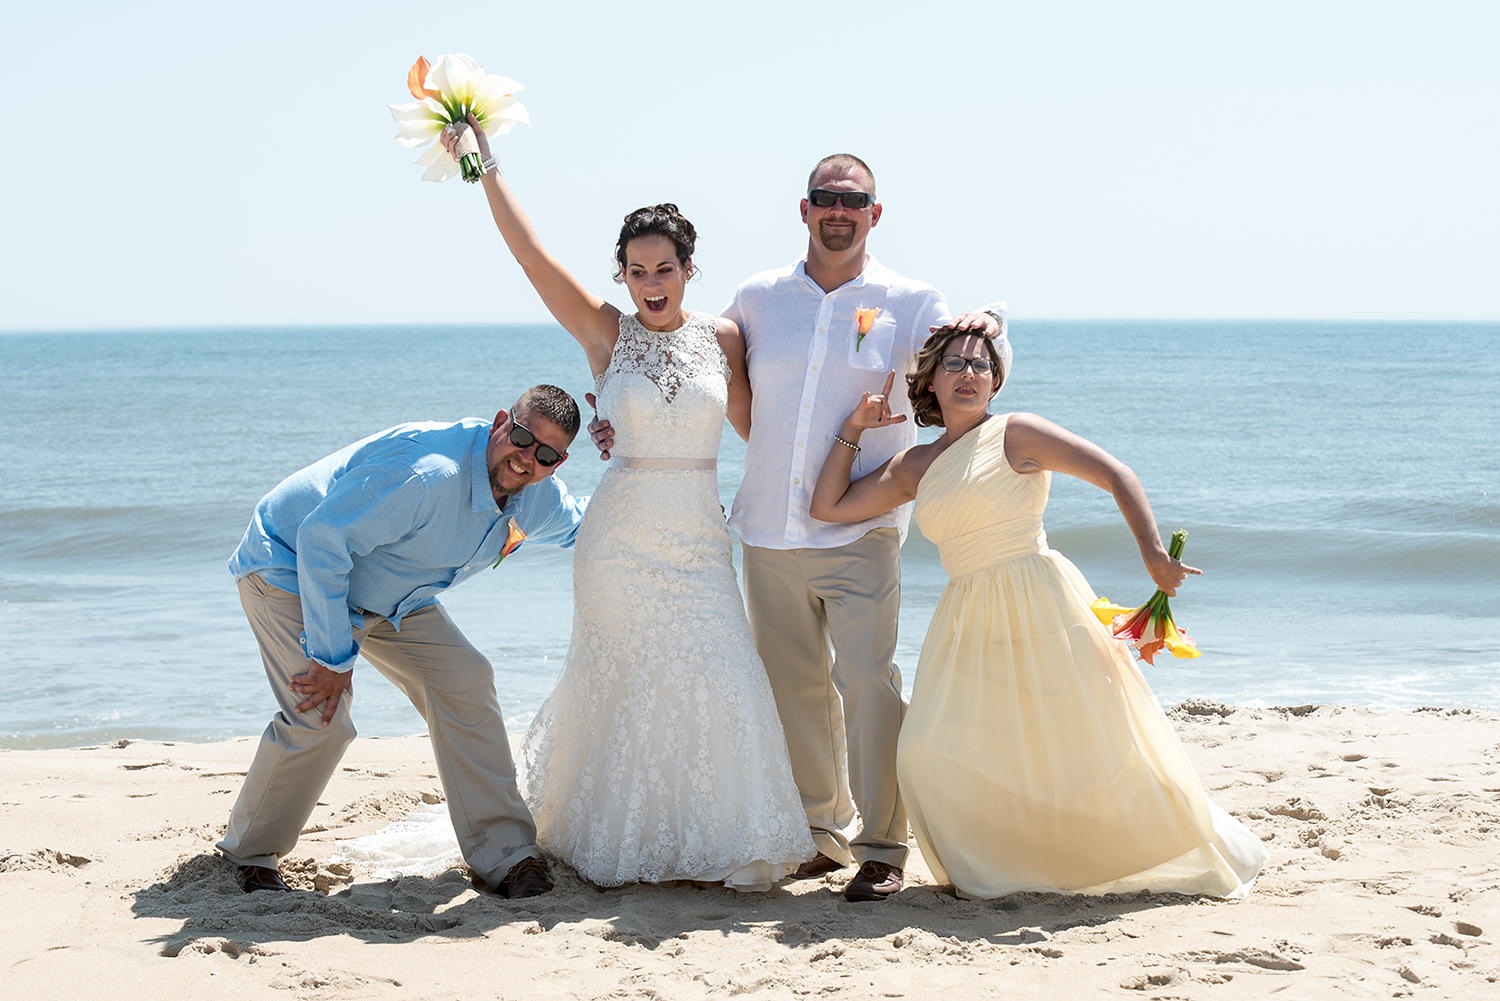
(365, 508)
(559, 521)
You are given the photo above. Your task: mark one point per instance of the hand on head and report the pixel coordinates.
(973, 322)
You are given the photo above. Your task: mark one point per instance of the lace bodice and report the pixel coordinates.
(665, 392)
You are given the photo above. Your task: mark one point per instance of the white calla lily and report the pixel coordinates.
(448, 91)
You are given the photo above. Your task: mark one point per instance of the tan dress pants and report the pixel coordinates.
(451, 684)
(824, 622)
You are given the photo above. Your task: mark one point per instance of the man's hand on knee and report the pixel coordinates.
(322, 687)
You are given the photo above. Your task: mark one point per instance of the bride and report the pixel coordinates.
(659, 754)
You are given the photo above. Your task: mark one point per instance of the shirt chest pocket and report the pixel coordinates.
(873, 351)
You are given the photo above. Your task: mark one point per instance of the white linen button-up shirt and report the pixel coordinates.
(808, 367)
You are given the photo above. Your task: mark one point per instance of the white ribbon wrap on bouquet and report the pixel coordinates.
(466, 144)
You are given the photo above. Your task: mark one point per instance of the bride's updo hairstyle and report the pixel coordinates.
(924, 404)
(658, 220)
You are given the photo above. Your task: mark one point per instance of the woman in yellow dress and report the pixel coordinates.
(1034, 756)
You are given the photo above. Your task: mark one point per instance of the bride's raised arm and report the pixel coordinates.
(594, 323)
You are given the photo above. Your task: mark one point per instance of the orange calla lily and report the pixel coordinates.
(417, 76)
(864, 319)
(513, 539)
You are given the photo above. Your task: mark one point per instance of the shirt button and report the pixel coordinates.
(796, 482)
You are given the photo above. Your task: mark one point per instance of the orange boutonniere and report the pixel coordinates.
(864, 319)
(513, 540)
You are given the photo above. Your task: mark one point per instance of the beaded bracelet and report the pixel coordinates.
(846, 444)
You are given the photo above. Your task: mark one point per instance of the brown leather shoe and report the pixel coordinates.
(816, 866)
(874, 881)
(527, 878)
(261, 877)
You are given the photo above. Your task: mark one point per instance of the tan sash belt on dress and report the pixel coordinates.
(638, 462)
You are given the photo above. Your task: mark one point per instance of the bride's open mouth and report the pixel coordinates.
(656, 304)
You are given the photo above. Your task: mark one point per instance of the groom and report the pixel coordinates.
(348, 557)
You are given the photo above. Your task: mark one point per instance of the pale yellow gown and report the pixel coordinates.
(1034, 756)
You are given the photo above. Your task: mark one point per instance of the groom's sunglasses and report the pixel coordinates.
(824, 199)
(521, 437)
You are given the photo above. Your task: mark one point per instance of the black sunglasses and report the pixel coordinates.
(521, 437)
(957, 363)
(824, 199)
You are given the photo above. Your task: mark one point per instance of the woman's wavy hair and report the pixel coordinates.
(658, 220)
(924, 404)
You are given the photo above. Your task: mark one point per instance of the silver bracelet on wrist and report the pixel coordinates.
(488, 164)
(846, 444)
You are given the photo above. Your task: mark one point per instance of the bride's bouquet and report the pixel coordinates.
(1149, 627)
(449, 91)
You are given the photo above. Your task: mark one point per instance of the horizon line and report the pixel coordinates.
(490, 324)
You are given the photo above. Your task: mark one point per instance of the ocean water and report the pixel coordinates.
(1340, 483)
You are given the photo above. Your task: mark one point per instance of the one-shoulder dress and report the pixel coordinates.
(1034, 755)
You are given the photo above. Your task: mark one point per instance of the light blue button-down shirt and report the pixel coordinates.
(387, 524)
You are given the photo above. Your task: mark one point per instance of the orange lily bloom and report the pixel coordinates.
(864, 319)
(417, 76)
(513, 539)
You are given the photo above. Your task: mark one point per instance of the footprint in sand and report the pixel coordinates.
(1159, 976)
(1298, 809)
(209, 946)
(42, 859)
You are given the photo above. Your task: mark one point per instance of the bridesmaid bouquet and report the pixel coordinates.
(1150, 627)
(447, 92)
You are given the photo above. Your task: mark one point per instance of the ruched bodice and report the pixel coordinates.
(665, 392)
(972, 484)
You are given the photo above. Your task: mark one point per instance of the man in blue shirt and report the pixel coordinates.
(347, 557)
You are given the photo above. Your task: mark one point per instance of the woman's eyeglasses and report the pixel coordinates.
(521, 437)
(957, 363)
(824, 199)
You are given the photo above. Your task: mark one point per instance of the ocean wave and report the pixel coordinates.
(1328, 553)
(176, 534)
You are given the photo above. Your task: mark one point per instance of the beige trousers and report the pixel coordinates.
(825, 623)
(451, 684)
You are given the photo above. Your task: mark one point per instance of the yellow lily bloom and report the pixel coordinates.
(1106, 610)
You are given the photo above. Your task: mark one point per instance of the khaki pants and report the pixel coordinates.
(825, 623)
(451, 684)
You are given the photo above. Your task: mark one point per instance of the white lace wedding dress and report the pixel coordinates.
(659, 755)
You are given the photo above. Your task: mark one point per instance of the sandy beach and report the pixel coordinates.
(1384, 881)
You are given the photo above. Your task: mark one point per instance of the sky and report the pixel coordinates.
(174, 164)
